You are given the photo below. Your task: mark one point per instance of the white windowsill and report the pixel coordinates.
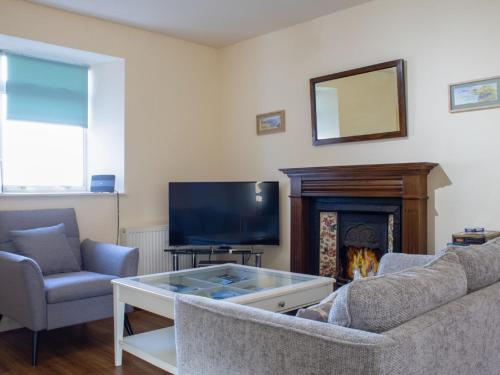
(57, 194)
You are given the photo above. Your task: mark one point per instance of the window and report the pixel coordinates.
(60, 123)
(43, 124)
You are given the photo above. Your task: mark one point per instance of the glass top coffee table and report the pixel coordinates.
(257, 287)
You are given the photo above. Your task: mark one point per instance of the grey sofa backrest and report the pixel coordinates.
(29, 219)
(217, 337)
(459, 338)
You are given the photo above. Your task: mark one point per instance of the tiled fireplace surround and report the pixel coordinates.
(349, 216)
(352, 233)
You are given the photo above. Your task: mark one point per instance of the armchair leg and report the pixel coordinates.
(34, 354)
(128, 326)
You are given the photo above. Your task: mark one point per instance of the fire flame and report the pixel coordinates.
(364, 259)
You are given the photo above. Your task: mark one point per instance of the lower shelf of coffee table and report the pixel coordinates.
(156, 347)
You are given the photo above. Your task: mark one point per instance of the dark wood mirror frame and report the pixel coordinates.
(401, 92)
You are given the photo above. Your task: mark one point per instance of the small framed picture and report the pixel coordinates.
(272, 122)
(474, 95)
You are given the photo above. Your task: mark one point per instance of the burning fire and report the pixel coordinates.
(364, 259)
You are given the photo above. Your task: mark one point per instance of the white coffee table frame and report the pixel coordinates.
(158, 347)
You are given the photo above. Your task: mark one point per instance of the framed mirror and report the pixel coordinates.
(360, 104)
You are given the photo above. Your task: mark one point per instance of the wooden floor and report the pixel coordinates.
(83, 349)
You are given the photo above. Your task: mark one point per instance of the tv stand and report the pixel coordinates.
(195, 252)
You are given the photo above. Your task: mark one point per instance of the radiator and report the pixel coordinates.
(151, 241)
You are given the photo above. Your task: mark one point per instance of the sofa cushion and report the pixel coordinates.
(481, 263)
(390, 263)
(77, 285)
(320, 311)
(377, 304)
(29, 219)
(48, 247)
(395, 262)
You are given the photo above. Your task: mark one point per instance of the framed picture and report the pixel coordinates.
(474, 95)
(272, 122)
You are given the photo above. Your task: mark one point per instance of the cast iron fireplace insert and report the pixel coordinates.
(350, 233)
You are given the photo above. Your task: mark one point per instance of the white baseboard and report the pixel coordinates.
(7, 324)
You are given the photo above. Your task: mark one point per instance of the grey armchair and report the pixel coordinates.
(41, 302)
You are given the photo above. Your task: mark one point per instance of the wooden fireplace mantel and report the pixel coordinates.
(407, 181)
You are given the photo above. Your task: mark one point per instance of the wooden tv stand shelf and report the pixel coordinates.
(195, 252)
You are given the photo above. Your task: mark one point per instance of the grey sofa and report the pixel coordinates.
(461, 337)
(41, 302)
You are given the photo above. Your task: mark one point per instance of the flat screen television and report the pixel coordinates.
(223, 213)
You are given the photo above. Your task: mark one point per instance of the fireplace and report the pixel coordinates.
(367, 210)
(349, 234)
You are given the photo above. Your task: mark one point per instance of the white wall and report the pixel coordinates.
(190, 110)
(442, 42)
(106, 131)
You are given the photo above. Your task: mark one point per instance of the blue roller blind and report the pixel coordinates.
(46, 91)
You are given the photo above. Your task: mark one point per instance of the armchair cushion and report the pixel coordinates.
(77, 285)
(29, 219)
(48, 247)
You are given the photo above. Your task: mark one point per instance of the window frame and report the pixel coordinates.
(34, 189)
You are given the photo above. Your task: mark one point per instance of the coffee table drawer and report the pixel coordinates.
(293, 300)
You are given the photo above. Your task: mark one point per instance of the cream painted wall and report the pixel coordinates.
(442, 41)
(171, 109)
(190, 110)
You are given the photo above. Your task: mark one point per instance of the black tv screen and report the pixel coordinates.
(223, 213)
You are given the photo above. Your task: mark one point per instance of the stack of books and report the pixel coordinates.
(474, 236)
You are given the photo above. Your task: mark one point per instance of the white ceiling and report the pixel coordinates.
(216, 23)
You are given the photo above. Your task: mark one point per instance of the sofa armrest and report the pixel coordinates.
(109, 259)
(216, 337)
(22, 291)
(395, 262)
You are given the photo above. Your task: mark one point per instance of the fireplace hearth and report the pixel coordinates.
(364, 211)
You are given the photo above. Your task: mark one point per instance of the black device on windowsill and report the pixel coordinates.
(103, 183)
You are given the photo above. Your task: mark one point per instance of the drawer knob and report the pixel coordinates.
(281, 303)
